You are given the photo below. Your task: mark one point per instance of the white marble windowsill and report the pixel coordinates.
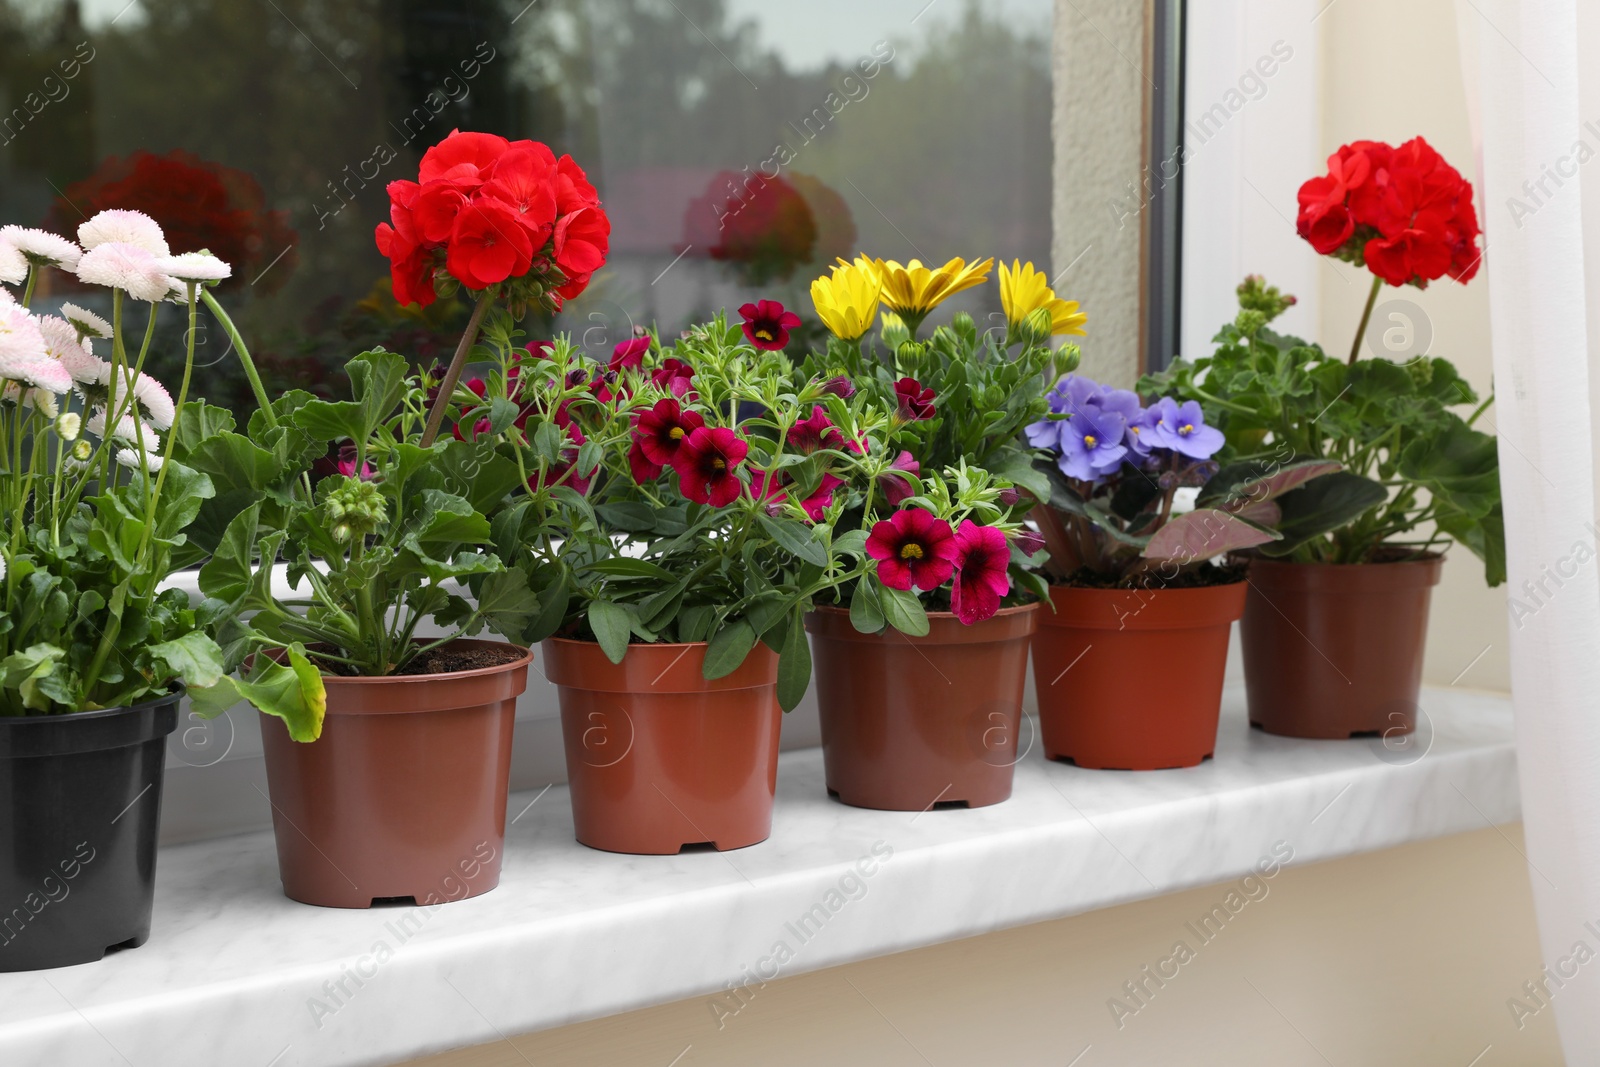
(237, 974)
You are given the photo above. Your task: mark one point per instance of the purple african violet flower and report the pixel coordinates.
(1092, 444)
(1183, 429)
(1142, 435)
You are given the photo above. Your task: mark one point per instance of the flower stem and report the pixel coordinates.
(447, 388)
(249, 365)
(1366, 316)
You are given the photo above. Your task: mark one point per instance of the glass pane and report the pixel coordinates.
(739, 146)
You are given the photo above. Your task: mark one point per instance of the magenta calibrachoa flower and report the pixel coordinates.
(913, 548)
(707, 465)
(916, 402)
(767, 324)
(896, 487)
(982, 558)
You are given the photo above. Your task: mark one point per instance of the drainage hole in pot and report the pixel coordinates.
(949, 805)
(394, 902)
(698, 846)
(1366, 733)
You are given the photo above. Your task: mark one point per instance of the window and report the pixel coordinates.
(739, 146)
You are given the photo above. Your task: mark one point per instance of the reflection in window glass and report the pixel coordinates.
(739, 145)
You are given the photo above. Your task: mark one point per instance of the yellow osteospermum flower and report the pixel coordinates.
(847, 300)
(913, 290)
(1024, 290)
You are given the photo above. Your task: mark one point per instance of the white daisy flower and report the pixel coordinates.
(13, 267)
(156, 400)
(196, 267)
(150, 461)
(68, 424)
(41, 247)
(126, 429)
(124, 227)
(61, 342)
(87, 322)
(41, 372)
(19, 335)
(125, 266)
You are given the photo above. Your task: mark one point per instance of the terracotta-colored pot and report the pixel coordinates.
(1332, 650)
(657, 756)
(910, 722)
(404, 794)
(1131, 679)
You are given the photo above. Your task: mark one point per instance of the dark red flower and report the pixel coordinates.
(706, 465)
(1028, 542)
(662, 431)
(640, 464)
(840, 386)
(768, 486)
(982, 559)
(767, 324)
(674, 376)
(342, 460)
(488, 245)
(821, 498)
(913, 548)
(816, 432)
(629, 354)
(895, 487)
(916, 403)
(773, 488)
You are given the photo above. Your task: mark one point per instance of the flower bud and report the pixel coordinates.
(1421, 371)
(962, 323)
(893, 331)
(1009, 497)
(68, 423)
(81, 451)
(1035, 329)
(1028, 542)
(909, 354)
(1066, 360)
(1250, 321)
(839, 386)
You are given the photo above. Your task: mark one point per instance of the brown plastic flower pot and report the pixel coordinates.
(1332, 650)
(404, 794)
(1131, 679)
(910, 722)
(657, 756)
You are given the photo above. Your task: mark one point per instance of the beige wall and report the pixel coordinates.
(1392, 71)
(1402, 958)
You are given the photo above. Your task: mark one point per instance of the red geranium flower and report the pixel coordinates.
(916, 403)
(913, 547)
(809, 435)
(982, 559)
(706, 463)
(662, 431)
(582, 240)
(488, 245)
(767, 324)
(524, 178)
(572, 187)
(463, 159)
(896, 488)
(408, 264)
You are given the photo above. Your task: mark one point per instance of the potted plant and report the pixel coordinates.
(95, 653)
(1335, 626)
(922, 663)
(677, 525)
(403, 792)
(1140, 577)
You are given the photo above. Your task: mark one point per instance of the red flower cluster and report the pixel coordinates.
(486, 210)
(1404, 212)
(917, 548)
(762, 226)
(199, 204)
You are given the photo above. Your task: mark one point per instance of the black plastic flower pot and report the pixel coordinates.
(82, 809)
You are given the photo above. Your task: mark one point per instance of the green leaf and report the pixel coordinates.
(795, 539)
(729, 649)
(194, 657)
(227, 575)
(629, 516)
(851, 543)
(628, 567)
(332, 420)
(903, 611)
(449, 519)
(866, 614)
(794, 665)
(1321, 506)
(30, 671)
(1459, 466)
(612, 627)
(1021, 472)
(506, 603)
(553, 601)
(293, 692)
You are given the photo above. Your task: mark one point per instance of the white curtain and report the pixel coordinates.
(1533, 73)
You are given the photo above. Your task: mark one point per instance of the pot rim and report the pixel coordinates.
(1426, 559)
(178, 692)
(583, 665)
(477, 672)
(1015, 609)
(1156, 589)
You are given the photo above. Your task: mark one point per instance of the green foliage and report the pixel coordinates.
(370, 558)
(1413, 466)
